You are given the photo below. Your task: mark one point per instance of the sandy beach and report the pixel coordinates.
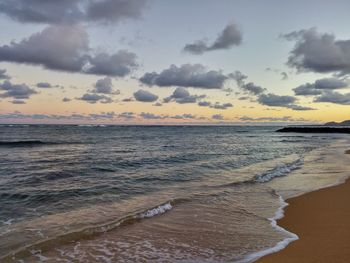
(321, 219)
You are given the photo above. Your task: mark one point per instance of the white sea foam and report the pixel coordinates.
(280, 170)
(280, 245)
(156, 211)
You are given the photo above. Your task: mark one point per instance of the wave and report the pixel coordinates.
(21, 143)
(30, 143)
(281, 244)
(90, 231)
(278, 171)
(157, 210)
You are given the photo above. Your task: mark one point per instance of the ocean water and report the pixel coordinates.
(155, 193)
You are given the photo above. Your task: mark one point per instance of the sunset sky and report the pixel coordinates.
(163, 61)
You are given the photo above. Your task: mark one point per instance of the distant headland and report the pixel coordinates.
(329, 127)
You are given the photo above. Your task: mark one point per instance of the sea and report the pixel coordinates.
(108, 193)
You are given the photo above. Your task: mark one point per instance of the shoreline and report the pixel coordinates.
(321, 221)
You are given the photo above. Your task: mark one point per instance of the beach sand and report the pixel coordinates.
(321, 219)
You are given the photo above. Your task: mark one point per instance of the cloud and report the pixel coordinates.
(216, 105)
(229, 37)
(334, 97)
(274, 100)
(299, 107)
(105, 86)
(66, 99)
(204, 103)
(185, 116)
(273, 119)
(115, 10)
(47, 49)
(319, 86)
(239, 77)
(330, 83)
(145, 96)
(72, 11)
(306, 90)
(284, 75)
(119, 64)
(182, 96)
(187, 75)
(217, 117)
(151, 116)
(250, 87)
(16, 91)
(93, 98)
(111, 115)
(318, 52)
(127, 115)
(3, 74)
(45, 85)
(18, 102)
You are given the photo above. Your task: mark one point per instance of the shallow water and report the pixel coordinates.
(160, 194)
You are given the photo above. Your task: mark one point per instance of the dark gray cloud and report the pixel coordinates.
(47, 49)
(145, 96)
(105, 86)
(334, 97)
(217, 117)
(319, 86)
(182, 96)
(299, 107)
(229, 37)
(93, 98)
(216, 105)
(119, 64)
(319, 52)
(269, 99)
(151, 116)
(274, 100)
(66, 99)
(18, 102)
(45, 85)
(204, 103)
(250, 87)
(307, 89)
(71, 11)
(284, 75)
(16, 91)
(187, 75)
(127, 115)
(3, 74)
(115, 10)
(184, 117)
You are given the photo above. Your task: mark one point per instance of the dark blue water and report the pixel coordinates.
(53, 169)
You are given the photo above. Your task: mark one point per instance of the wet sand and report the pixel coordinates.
(321, 219)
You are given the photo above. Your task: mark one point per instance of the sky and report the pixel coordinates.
(169, 62)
